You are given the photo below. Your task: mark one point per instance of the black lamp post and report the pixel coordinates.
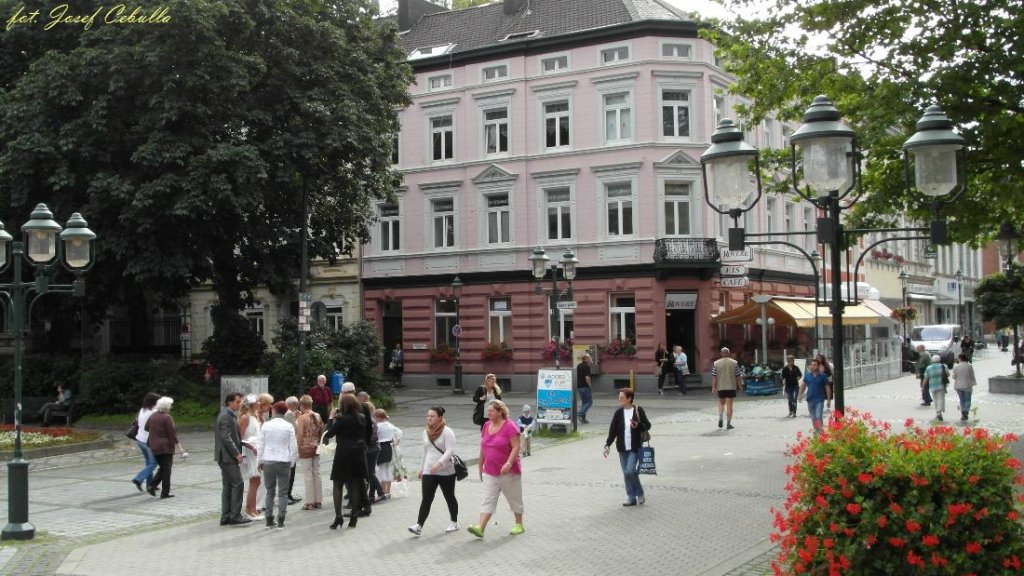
(828, 176)
(960, 298)
(1010, 237)
(539, 259)
(75, 252)
(903, 283)
(457, 332)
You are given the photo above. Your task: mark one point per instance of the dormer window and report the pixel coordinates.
(428, 51)
(521, 35)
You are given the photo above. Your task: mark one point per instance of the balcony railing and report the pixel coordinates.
(686, 253)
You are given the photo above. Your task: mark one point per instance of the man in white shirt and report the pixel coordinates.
(278, 453)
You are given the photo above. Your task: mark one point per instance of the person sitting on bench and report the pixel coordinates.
(64, 399)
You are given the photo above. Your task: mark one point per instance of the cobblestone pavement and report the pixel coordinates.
(707, 510)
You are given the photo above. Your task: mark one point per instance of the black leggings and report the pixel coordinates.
(430, 483)
(162, 478)
(356, 494)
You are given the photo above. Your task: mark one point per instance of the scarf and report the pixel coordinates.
(434, 432)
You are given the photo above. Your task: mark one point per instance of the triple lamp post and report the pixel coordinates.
(76, 254)
(825, 171)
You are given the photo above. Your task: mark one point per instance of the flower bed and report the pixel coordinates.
(43, 437)
(864, 500)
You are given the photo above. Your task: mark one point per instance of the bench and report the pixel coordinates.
(30, 407)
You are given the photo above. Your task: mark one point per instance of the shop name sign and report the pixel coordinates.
(734, 281)
(734, 270)
(745, 255)
(683, 301)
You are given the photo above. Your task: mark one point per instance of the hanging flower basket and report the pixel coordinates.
(564, 350)
(904, 314)
(442, 353)
(617, 347)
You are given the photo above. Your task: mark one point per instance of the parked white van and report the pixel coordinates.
(941, 339)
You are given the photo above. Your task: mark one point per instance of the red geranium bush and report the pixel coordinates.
(863, 499)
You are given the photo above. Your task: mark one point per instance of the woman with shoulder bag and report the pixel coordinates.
(141, 440)
(437, 470)
(486, 392)
(629, 423)
(308, 429)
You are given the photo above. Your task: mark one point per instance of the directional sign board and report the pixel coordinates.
(745, 255)
(734, 281)
(571, 305)
(734, 270)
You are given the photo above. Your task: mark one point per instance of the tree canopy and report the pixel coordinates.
(1000, 297)
(882, 63)
(188, 145)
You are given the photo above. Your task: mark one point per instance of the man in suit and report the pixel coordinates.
(227, 452)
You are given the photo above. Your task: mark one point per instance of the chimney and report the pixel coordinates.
(513, 6)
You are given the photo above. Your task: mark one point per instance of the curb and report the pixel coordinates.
(35, 453)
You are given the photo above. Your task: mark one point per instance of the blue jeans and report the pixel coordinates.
(965, 400)
(681, 381)
(586, 400)
(817, 409)
(146, 474)
(792, 393)
(629, 461)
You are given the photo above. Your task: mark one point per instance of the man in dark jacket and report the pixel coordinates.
(227, 452)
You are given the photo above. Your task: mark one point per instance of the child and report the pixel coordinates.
(526, 425)
(387, 436)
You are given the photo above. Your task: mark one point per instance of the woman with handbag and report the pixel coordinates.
(486, 392)
(629, 423)
(163, 441)
(386, 439)
(141, 438)
(349, 467)
(499, 468)
(308, 428)
(437, 470)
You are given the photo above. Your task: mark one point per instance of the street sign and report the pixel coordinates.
(734, 270)
(745, 255)
(570, 305)
(734, 281)
(457, 331)
(931, 252)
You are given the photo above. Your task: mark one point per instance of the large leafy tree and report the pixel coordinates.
(189, 145)
(882, 62)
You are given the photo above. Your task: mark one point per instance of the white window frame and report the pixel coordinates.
(487, 124)
(452, 318)
(254, 315)
(617, 51)
(618, 317)
(676, 45)
(506, 66)
(396, 154)
(450, 114)
(565, 319)
(614, 176)
(719, 106)
(393, 225)
(788, 216)
(618, 109)
(450, 219)
(676, 200)
(550, 183)
(787, 134)
(691, 105)
(558, 56)
(487, 210)
(503, 317)
(442, 84)
(335, 317)
(767, 133)
(770, 209)
(544, 124)
(429, 51)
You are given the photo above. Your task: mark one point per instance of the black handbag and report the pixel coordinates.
(133, 430)
(461, 470)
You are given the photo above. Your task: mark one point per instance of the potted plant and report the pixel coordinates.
(619, 347)
(564, 350)
(904, 314)
(863, 498)
(500, 351)
(442, 353)
(1000, 299)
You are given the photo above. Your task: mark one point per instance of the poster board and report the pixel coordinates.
(555, 393)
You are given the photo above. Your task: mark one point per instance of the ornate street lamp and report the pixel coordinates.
(457, 332)
(76, 253)
(539, 261)
(960, 298)
(825, 169)
(1009, 237)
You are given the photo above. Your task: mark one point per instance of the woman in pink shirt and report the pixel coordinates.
(499, 467)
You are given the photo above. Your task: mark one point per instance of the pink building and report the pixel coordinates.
(570, 125)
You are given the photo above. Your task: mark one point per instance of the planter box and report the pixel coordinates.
(1006, 385)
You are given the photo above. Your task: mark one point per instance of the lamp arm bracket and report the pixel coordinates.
(780, 235)
(867, 250)
(814, 265)
(51, 289)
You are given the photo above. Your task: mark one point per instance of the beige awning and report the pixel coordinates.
(800, 313)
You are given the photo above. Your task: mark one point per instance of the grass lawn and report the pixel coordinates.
(32, 437)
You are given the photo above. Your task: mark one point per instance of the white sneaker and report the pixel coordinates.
(416, 529)
(452, 527)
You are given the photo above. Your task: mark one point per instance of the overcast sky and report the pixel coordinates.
(703, 7)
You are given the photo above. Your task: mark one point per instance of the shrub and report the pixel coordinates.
(114, 384)
(864, 500)
(41, 374)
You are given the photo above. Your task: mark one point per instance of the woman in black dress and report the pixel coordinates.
(349, 429)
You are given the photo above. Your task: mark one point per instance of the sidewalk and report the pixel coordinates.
(707, 510)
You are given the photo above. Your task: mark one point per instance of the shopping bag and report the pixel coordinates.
(645, 464)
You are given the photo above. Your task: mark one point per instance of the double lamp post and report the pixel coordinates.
(825, 171)
(44, 253)
(539, 259)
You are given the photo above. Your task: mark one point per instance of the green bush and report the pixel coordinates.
(234, 347)
(863, 500)
(113, 384)
(41, 374)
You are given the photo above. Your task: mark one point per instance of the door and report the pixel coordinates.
(680, 330)
(391, 327)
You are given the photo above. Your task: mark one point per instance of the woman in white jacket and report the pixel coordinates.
(437, 469)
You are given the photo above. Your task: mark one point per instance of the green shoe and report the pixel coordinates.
(476, 531)
(517, 530)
